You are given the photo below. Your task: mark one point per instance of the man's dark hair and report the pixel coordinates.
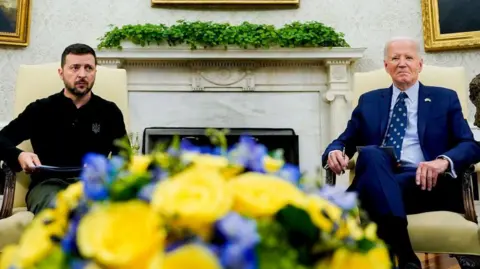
(78, 49)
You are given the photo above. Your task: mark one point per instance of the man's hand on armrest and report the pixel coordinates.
(337, 161)
(28, 161)
(428, 172)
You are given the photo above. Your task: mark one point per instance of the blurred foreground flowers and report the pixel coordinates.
(185, 207)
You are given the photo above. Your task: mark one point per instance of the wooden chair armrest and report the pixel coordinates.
(331, 178)
(8, 191)
(468, 199)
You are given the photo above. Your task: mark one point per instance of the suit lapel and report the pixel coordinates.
(384, 109)
(423, 110)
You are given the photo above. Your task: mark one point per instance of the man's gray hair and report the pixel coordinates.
(400, 38)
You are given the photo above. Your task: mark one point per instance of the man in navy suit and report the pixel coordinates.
(431, 141)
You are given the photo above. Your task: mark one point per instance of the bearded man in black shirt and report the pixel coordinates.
(62, 128)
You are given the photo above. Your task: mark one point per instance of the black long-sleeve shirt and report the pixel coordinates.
(61, 134)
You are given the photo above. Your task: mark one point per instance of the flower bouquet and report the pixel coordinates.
(188, 207)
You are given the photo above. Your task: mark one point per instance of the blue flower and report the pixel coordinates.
(237, 228)
(238, 256)
(158, 174)
(249, 154)
(115, 165)
(218, 151)
(290, 173)
(69, 241)
(95, 177)
(146, 191)
(240, 238)
(187, 146)
(345, 200)
(76, 263)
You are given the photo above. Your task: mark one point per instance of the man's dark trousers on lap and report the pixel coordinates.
(389, 192)
(43, 194)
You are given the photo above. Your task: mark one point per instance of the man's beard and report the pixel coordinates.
(78, 92)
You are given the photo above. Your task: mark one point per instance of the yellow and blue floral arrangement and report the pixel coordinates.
(188, 207)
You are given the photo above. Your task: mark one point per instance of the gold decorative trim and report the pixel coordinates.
(226, 2)
(21, 36)
(434, 41)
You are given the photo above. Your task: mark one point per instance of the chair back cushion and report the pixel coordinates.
(449, 77)
(40, 81)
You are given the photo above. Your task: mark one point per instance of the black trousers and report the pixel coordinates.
(43, 194)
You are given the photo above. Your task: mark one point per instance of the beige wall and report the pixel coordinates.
(56, 24)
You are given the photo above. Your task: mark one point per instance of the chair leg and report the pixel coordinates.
(427, 262)
(468, 261)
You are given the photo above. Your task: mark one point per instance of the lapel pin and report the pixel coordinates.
(428, 100)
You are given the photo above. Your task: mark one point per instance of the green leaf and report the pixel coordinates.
(55, 260)
(301, 232)
(124, 146)
(211, 34)
(274, 250)
(297, 221)
(127, 187)
(365, 245)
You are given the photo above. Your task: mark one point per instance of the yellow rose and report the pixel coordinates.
(162, 159)
(317, 206)
(121, 235)
(68, 199)
(231, 170)
(139, 164)
(262, 195)
(208, 161)
(8, 256)
(272, 165)
(351, 227)
(191, 256)
(371, 231)
(376, 258)
(194, 197)
(27, 254)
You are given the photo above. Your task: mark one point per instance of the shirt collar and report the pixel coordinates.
(412, 92)
(61, 96)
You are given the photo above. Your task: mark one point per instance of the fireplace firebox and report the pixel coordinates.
(272, 138)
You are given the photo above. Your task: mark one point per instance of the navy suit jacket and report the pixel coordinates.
(442, 128)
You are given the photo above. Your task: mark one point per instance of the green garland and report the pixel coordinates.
(210, 34)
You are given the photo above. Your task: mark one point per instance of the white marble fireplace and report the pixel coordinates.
(304, 89)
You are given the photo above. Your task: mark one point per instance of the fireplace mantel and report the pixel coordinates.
(156, 53)
(306, 89)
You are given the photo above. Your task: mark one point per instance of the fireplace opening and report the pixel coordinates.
(272, 138)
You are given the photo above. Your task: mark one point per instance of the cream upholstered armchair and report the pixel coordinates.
(442, 231)
(35, 82)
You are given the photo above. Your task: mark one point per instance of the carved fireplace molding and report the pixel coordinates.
(152, 69)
